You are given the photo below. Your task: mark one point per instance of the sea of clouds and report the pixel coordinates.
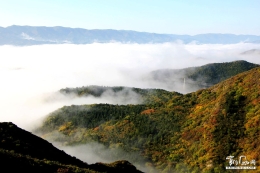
(29, 74)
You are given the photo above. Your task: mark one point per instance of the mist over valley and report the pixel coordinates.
(30, 74)
(130, 86)
(104, 102)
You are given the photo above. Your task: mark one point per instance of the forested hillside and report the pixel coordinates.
(203, 76)
(194, 132)
(145, 96)
(183, 80)
(21, 151)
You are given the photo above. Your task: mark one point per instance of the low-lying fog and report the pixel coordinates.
(30, 74)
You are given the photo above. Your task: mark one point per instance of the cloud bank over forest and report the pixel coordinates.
(30, 74)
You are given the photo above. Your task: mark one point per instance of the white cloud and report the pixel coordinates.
(26, 36)
(29, 73)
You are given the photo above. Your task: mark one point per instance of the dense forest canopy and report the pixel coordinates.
(194, 132)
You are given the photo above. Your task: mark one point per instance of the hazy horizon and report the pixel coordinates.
(126, 29)
(166, 17)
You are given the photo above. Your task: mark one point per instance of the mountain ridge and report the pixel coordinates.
(184, 80)
(201, 76)
(194, 132)
(30, 35)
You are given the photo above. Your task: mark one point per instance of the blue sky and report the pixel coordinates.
(164, 16)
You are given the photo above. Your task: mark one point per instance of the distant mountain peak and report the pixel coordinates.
(45, 35)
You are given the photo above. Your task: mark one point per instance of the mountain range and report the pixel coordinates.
(36, 35)
(167, 132)
(171, 132)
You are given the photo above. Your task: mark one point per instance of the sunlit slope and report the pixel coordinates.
(21, 151)
(192, 132)
(224, 121)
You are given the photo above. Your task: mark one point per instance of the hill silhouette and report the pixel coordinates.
(21, 151)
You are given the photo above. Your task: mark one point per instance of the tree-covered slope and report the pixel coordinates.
(194, 132)
(21, 151)
(203, 76)
(145, 96)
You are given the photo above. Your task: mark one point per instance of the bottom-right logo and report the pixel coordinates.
(241, 163)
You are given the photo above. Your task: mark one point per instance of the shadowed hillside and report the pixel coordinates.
(21, 151)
